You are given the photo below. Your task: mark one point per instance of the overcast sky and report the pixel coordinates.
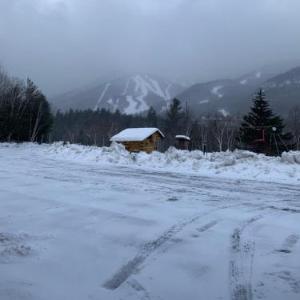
(62, 44)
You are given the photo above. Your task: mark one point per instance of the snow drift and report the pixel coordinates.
(233, 165)
(292, 157)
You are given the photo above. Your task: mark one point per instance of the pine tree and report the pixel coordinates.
(174, 117)
(151, 117)
(261, 130)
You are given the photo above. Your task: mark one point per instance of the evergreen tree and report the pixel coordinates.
(262, 130)
(38, 119)
(174, 117)
(151, 117)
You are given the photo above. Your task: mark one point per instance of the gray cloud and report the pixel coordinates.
(64, 44)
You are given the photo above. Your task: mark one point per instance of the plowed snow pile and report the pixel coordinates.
(233, 165)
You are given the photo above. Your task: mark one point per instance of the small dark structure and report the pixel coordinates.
(139, 139)
(182, 142)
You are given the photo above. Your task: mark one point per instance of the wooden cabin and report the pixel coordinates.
(182, 142)
(139, 139)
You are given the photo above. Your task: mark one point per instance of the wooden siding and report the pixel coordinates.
(148, 145)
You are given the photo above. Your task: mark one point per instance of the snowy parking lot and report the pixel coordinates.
(82, 229)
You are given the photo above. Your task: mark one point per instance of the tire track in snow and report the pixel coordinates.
(289, 243)
(133, 265)
(241, 263)
(285, 209)
(136, 286)
(207, 226)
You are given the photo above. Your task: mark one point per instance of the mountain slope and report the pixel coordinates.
(284, 90)
(130, 95)
(235, 96)
(137, 93)
(224, 96)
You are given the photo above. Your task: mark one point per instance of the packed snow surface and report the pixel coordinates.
(134, 134)
(99, 223)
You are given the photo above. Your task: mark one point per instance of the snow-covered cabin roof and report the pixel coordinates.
(182, 137)
(135, 134)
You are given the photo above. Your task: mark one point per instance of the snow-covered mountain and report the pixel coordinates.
(231, 96)
(137, 93)
(284, 90)
(224, 96)
(130, 95)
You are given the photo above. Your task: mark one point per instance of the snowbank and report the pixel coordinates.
(232, 165)
(292, 157)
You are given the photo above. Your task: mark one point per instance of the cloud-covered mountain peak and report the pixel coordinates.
(130, 95)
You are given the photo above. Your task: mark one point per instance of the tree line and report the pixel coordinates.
(25, 115)
(260, 131)
(91, 127)
(24, 111)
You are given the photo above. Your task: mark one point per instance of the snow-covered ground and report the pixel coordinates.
(88, 223)
(232, 165)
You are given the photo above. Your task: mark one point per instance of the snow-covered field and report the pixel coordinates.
(89, 223)
(233, 165)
